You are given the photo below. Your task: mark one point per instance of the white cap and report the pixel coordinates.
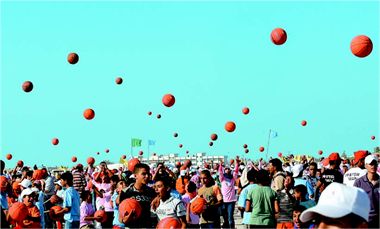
(26, 192)
(58, 183)
(297, 169)
(26, 183)
(339, 200)
(368, 159)
(34, 189)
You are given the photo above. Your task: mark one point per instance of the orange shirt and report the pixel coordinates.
(180, 186)
(33, 212)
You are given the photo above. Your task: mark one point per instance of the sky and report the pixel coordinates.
(214, 57)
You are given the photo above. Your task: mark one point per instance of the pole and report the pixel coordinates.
(131, 149)
(266, 156)
(148, 151)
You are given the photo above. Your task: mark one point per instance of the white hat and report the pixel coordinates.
(58, 183)
(34, 189)
(297, 169)
(339, 200)
(368, 159)
(26, 183)
(26, 192)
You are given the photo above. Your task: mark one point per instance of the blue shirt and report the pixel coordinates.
(174, 193)
(4, 202)
(373, 192)
(242, 201)
(71, 199)
(40, 206)
(116, 221)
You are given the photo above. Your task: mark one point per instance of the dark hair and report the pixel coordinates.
(68, 177)
(301, 189)
(353, 220)
(84, 195)
(115, 178)
(29, 173)
(251, 175)
(165, 181)
(141, 166)
(299, 208)
(276, 163)
(191, 186)
(24, 169)
(314, 164)
(262, 177)
(208, 175)
(2, 166)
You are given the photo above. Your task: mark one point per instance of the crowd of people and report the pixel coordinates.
(333, 192)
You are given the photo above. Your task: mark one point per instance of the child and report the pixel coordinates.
(119, 187)
(34, 217)
(286, 202)
(300, 192)
(87, 211)
(251, 176)
(191, 192)
(168, 206)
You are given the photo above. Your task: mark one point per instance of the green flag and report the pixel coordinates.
(136, 142)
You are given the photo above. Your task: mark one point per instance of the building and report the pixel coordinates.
(196, 159)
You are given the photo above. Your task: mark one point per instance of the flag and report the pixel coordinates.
(151, 142)
(273, 134)
(136, 142)
(124, 162)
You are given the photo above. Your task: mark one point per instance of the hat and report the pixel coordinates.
(334, 157)
(26, 183)
(26, 192)
(368, 159)
(339, 200)
(34, 189)
(297, 170)
(58, 183)
(360, 155)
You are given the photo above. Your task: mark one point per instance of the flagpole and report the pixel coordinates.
(266, 156)
(131, 149)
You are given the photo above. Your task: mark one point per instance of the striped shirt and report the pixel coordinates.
(79, 182)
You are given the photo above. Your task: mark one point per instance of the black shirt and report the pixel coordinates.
(330, 176)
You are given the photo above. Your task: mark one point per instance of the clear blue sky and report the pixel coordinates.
(214, 57)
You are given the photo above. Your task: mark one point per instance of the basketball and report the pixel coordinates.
(230, 126)
(9, 156)
(102, 214)
(149, 113)
(373, 137)
(279, 154)
(89, 114)
(127, 205)
(180, 145)
(74, 159)
(320, 152)
(361, 46)
(20, 163)
(210, 143)
(261, 149)
(53, 215)
(246, 150)
(169, 223)
(278, 36)
(214, 137)
(168, 100)
(124, 156)
(54, 199)
(175, 135)
(158, 116)
(27, 86)
(198, 205)
(245, 146)
(55, 141)
(141, 153)
(90, 160)
(18, 211)
(303, 123)
(245, 110)
(119, 80)
(132, 163)
(73, 58)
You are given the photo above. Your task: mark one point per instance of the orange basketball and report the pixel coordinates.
(124, 156)
(261, 149)
(18, 211)
(279, 154)
(9, 156)
(127, 205)
(102, 214)
(361, 46)
(73, 58)
(55, 141)
(320, 152)
(90, 160)
(119, 80)
(230, 126)
(89, 114)
(149, 113)
(278, 36)
(210, 143)
(304, 123)
(214, 137)
(74, 159)
(245, 110)
(175, 135)
(180, 145)
(245, 146)
(169, 223)
(141, 153)
(54, 199)
(38, 174)
(132, 163)
(168, 100)
(246, 150)
(53, 215)
(232, 161)
(158, 116)
(20, 163)
(107, 150)
(373, 137)
(27, 86)
(198, 205)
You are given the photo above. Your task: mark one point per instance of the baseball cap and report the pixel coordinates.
(334, 157)
(34, 189)
(297, 169)
(360, 155)
(339, 200)
(26, 192)
(26, 183)
(368, 159)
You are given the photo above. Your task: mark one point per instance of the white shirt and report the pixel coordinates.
(172, 207)
(352, 174)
